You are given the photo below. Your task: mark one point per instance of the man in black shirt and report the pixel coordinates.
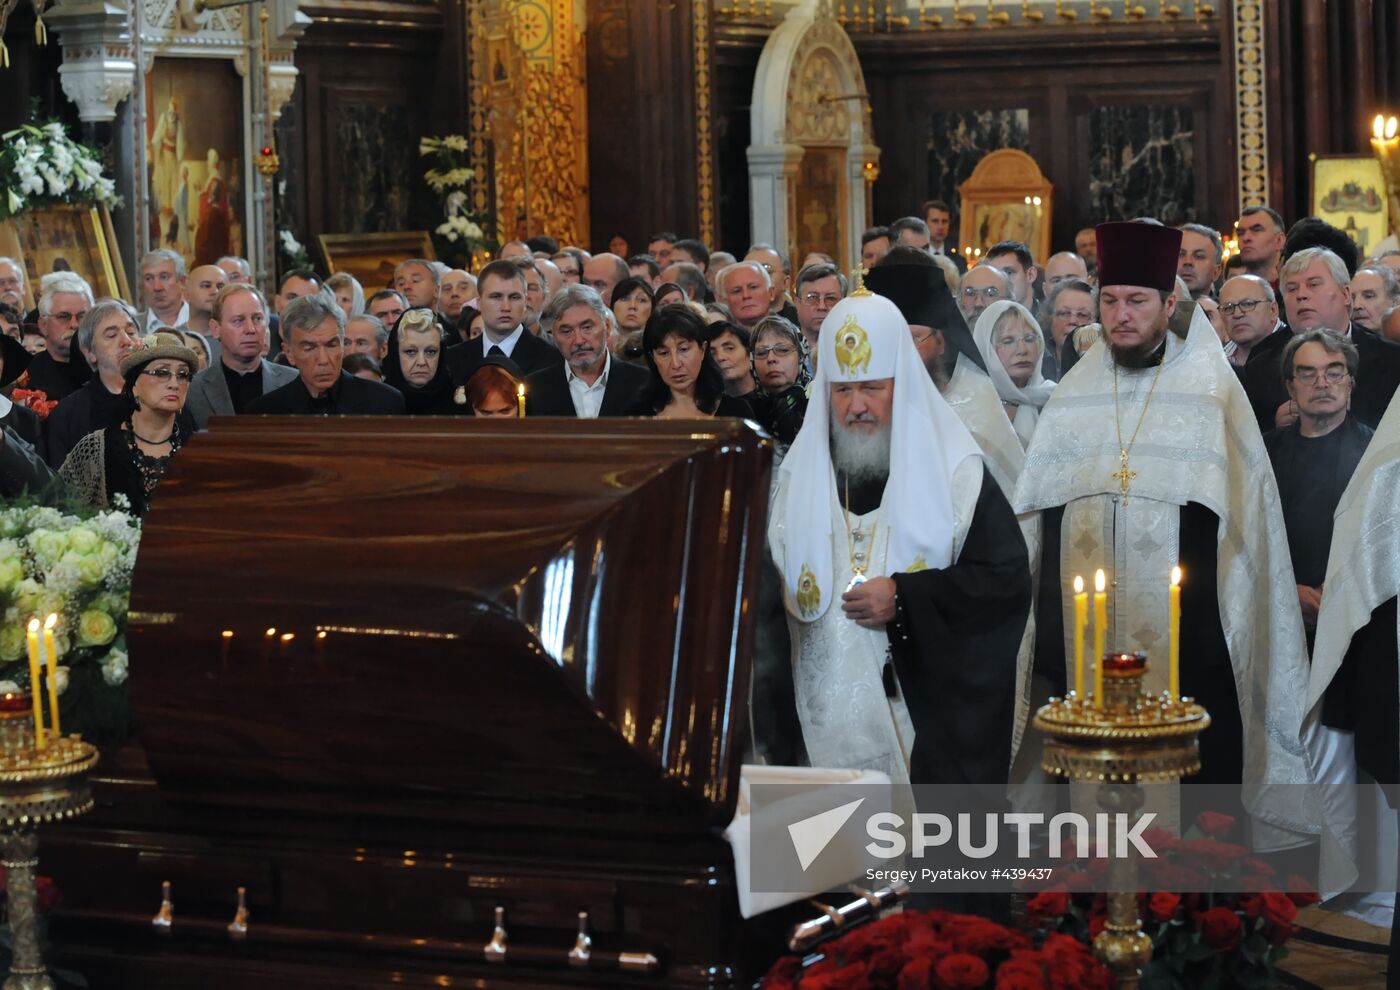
(313, 336)
(106, 335)
(239, 322)
(57, 371)
(1315, 457)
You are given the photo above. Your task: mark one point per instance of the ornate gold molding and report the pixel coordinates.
(704, 158)
(1251, 113)
(529, 117)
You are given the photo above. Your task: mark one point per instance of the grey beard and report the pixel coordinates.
(859, 457)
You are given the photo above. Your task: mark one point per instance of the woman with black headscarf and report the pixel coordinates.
(416, 367)
(779, 364)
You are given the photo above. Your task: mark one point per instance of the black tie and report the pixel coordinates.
(495, 351)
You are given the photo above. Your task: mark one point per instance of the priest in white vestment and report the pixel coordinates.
(904, 576)
(1148, 457)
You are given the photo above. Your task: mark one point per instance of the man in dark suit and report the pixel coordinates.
(588, 383)
(313, 337)
(240, 375)
(501, 289)
(1251, 313)
(940, 220)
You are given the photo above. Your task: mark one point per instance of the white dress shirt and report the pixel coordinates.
(154, 322)
(507, 345)
(588, 399)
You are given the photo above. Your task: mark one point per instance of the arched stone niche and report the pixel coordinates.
(811, 150)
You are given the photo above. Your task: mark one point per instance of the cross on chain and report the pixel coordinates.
(1123, 475)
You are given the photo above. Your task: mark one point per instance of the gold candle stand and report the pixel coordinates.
(37, 787)
(1133, 739)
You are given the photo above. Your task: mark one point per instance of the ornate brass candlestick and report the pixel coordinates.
(37, 786)
(1134, 738)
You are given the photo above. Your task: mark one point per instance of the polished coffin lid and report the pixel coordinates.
(444, 622)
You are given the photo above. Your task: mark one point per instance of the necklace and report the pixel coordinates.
(150, 469)
(1124, 476)
(860, 562)
(153, 443)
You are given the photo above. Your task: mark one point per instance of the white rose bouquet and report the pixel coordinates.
(80, 567)
(460, 234)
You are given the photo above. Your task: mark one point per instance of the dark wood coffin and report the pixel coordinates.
(390, 675)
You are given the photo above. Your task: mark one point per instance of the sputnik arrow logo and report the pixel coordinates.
(812, 835)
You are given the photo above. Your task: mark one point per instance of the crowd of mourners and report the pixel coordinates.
(100, 395)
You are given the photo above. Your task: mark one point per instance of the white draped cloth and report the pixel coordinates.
(1028, 399)
(1198, 443)
(974, 399)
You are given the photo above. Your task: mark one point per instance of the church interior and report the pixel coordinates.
(463, 702)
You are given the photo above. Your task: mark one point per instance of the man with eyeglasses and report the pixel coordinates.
(1315, 456)
(64, 298)
(1069, 305)
(819, 287)
(240, 375)
(1250, 310)
(979, 288)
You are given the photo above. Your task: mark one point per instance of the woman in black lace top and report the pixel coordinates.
(124, 463)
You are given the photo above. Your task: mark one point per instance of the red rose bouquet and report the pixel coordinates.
(935, 950)
(1198, 940)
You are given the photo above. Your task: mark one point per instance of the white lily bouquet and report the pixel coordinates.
(80, 568)
(460, 233)
(40, 165)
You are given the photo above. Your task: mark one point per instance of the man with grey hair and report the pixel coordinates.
(980, 286)
(418, 281)
(365, 334)
(236, 269)
(747, 289)
(689, 277)
(1249, 308)
(64, 298)
(779, 269)
(1317, 296)
(12, 283)
(588, 383)
(163, 289)
(107, 333)
(240, 375)
(1375, 291)
(1199, 261)
(819, 287)
(313, 337)
(1315, 457)
(534, 292)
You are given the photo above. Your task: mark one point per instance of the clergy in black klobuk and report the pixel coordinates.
(1315, 457)
(313, 335)
(903, 574)
(1147, 457)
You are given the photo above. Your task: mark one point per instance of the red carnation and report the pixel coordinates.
(917, 974)
(1020, 974)
(854, 976)
(1220, 929)
(1163, 905)
(961, 971)
(1278, 909)
(1214, 823)
(1049, 903)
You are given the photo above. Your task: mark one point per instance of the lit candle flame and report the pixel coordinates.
(1100, 582)
(1176, 577)
(1079, 585)
(1390, 127)
(34, 625)
(1378, 127)
(51, 621)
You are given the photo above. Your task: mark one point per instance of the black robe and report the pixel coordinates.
(954, 642)
(1312, 473)
(1262, 377)
(349, 396)
(54, 379)
(1206, 672)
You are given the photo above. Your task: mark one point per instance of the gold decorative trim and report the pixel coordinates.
(1251, 113)
(704, 160)
(476, 107)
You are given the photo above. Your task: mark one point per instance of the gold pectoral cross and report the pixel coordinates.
(1123, 475)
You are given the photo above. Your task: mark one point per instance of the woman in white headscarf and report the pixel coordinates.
(1013, 348)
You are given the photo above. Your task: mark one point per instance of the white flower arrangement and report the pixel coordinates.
(79, 567)
(40, 165)
(461, 231)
